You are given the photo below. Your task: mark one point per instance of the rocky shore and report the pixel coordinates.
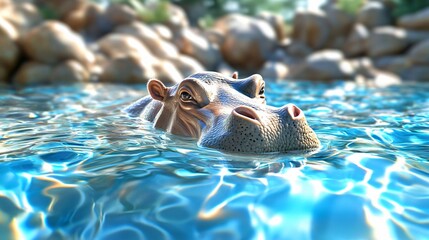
(88, 42)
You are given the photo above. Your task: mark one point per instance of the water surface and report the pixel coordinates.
(73, 166)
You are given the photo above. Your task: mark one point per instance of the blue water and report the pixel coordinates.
(72, 166)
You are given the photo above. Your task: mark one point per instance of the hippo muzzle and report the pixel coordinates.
(226, 113)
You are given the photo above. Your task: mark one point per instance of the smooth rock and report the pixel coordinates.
(325, 65)
(277, 23)
(187, 65)
(23, 16)
(242, 33)
(387, 41)
(274, 70)
(177, 18)
(357, 42)
(149, 38)
(195, 45)
(9, 54)
(167, 72)
(117, 45)
(394, 64)
(53, 42)
(69, 71)
(3, 75)
(340, 21)
(32, 73)
(60, 8)
(129, 69)
(298, 49)
(418, 20)
(415, 73)
(419, 54)
(312, 28)
(120, 14)
(374, 14)
(163, 31)
(8, 30)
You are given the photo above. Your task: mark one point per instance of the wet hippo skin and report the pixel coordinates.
(225, 113)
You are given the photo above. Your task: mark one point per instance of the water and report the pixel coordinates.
(72, 166)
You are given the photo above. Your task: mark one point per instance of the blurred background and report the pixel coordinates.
(378, 43)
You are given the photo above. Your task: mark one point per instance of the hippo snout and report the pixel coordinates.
(247, 114)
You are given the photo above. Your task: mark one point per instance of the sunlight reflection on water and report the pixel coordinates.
(74, 167)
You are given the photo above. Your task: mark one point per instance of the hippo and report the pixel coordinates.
(225, 113)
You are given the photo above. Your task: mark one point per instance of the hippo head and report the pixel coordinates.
(228, 114)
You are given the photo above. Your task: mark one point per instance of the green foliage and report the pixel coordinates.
(350, 6)
(404, 7)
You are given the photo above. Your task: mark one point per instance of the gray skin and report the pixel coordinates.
(225, 113)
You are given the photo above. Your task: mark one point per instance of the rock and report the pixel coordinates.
(340, 21)
(274, 70)
(8, 30)
(195, 45)
(357, 42)
(69, 71)
(277, 23)
(394, 64)
(415, 73)
(385, 79)
(418, 20)
(325, 65)
(32, 73)
(150, 39)
(374, 14)
(419, 54)
(9, 54)
(3, 75)
(387, 41)
(23, 16)
(187, 65)
(312, 28)
(242, 33)
(129, 69)
(167, 72)
(120, 14)
(298, 49)
(53, 42)
(117, 45)
(225, 69)
(163, 31)
(60, 8)
(177, 18)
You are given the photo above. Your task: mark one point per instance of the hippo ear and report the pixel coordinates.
(235, 75)
(157, 89)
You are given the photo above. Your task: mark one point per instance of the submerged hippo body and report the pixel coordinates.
(225, 113)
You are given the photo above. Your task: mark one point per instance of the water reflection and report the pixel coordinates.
(74, 167)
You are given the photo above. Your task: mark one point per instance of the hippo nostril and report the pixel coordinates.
(294, 112)
(247, 112)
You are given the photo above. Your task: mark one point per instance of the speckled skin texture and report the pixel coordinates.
(225, 113)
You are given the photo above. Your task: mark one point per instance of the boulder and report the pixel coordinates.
(117, 45)
(148, 37)
(167, 72)
(9, 54)
(163, 31)
(32, 73)
(242, 33)
(60, 8)
(69, 71)
(23, 16)
(419, 54)
(187, 65)
(53, 42)
(195, 45)
(357, 42)
(394, 64)
(277, 23)
(415, 73)
(325, 65)
(387, 41)
(340, 21)
(274, 70)
(177, 18)
(312, 28)
(3, 75)
(8, 30)
(374, 14)
(120, 14)
(129, 69)
(225, 69)
(298, 49)
(418, 20)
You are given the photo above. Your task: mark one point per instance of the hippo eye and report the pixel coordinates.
(262, 91)
(185, 96)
